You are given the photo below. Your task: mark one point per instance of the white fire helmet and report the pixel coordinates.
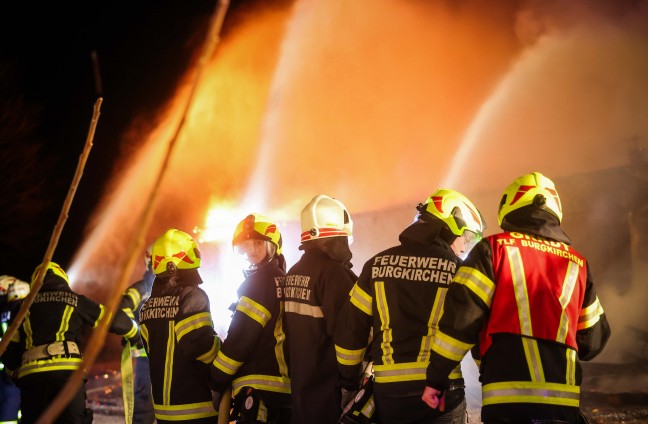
(324, 217)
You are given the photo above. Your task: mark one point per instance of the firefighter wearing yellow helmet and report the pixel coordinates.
(46, 349)
(315, 289)
(178, 333)
(253, 360)
(397, 301)
(525, 298)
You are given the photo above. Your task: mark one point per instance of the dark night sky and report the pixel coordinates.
(48, 89)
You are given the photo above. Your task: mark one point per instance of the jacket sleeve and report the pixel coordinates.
(194, 328)
(465, 310)
(353, 330)
(92, 313)
(338, 282)
(256, 307)
(593, 327)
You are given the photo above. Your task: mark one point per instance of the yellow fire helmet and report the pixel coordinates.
(55, 268)
(257, 226)
(177, 248)
(530, 189)
(459, 213)
(323, 217)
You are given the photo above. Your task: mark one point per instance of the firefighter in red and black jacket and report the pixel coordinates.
(398, 300)
(315, 289)
(178, 333)
(528, 301)
(46, 350)
(252, 360)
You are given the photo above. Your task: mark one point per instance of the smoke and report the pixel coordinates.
(380, 103)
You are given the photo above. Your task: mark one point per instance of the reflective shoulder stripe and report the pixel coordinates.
(185, 412)
(531, 392)
(590, 315)
(361, 299)
(477, 283)
(268, 383)
(348, 356)
(226, 364)
(199, 320)
(254, 310)
(304, 309)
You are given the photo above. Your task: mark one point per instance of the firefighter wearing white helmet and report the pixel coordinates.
(178, 333)
(253, 359)
(314, 291)
(46, 349)
(397, 302)
(525, 299)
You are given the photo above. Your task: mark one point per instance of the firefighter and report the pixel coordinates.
(12, 290)
(252, 359)
(131, 303)
(315, 289)
(178, 333)
(46, 350)
(397, 301)
(526, 298)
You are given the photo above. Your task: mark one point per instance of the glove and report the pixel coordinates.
(347, 397)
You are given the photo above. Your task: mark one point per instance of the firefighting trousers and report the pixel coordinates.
(36, 395)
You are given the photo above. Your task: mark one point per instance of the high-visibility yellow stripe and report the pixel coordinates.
(432, 324)
(385, 328)
(168, 365)
(65, 323)
(189, 411)
(304, 309)
(534, 362)
(52, 364)
(134, 295)
(280, 338)
(194, 322)
(361, 300)
(407, 371)
(29, 341)
(102, 311)
(530, 392)
(209, 356)
(226, 364)
(450, 347)
(519, 287)
(254, 310)
(570, 376)
(269, 383)
(590, 315)
(477, 283)
(349, 356)
(571, 277)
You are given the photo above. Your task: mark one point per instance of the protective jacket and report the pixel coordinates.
(528, 301)
(181, 343)
(46, 349)
(398, 301)
(315, 289)
(254, 352)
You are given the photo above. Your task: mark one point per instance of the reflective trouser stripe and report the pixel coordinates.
(190, 411)
(530, 392)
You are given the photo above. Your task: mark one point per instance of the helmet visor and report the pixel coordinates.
(252, 252)
(471, 240)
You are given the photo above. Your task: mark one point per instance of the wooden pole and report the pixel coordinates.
(38, 283)
(96, 341)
